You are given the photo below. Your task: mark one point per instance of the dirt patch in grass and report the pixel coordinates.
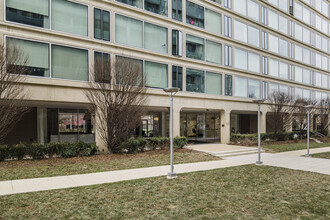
(10, 170)
(325, 155)
(245, 192)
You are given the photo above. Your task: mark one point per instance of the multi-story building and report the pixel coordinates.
(222, 54)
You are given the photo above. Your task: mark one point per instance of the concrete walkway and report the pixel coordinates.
(62, 182)
(303, 152)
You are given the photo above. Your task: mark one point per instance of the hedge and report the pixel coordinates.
(264, 136)
(39, 151)
(135, 145)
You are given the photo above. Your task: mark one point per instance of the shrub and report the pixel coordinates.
(52, 149)
(4, 152)
(130, 146)
(19, 151)
(179, 142)
(284, 136)
(36, 151)
(154, 142)
(142, 143)
(164, 142)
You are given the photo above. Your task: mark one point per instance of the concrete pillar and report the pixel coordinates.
(176, 121)
(42, 125)
(225, 127)
(98, 137)
(163, 124)
(263, 122)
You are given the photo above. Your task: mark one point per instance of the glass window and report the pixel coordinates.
(101, 24)
(306, 76)
(273, 43)
(318, 79)
(217, 1)
(306, 36)
(298, 32)
(298, 11)
(254, 62)
(70, 17)
(253, 10)
(213, 21)
(194, 47)
(324, 63)
(177, 77)
(194, 14)
(283, 50)
(283, 5)
(69, 63)
(241, 87)
(298, 52)
(284, 70)
(306, 94)
(156, 75)
(134, 62)
(298, 93)
(318, 60)
(177, 10)
(324, 44)
(272, 88)
(324, 81)
(195, 80)
(273, 67)
(228, 55)
(273, 19)
(241, 59)
(213, 83)
(240, 6)
(228, 85)
(155, 38)
(306, 15)
(213, 52)
(228, 28)
(254, 89)
(306, 56)
(32, 12)
(135, 3)
(298, 75)
(126, 28)
(102, 69)
(158, 7)
(283, 27)
(318, 41)
(240, 31)
(177, 49)
(253, 36)
(37, 55)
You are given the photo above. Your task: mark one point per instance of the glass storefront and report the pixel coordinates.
(200, 127)
(70, 125)
(154, 124)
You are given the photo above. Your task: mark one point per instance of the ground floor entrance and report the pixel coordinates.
(200, 126)
(243, 123)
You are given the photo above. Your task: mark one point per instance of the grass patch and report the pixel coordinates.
(10, 170)
(292, 146)
(245, 192)
(325, 155)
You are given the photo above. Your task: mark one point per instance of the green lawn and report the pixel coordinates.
(10, 170)
(245, 192)
(292, 146)
(325, 155)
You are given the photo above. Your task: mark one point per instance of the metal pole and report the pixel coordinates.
(171, 174)
(259, 147)
(308, 155)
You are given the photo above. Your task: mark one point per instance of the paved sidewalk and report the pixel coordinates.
(62, 182)
(317, 165)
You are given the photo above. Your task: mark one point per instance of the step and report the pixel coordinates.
(226, 152)
(238, 153)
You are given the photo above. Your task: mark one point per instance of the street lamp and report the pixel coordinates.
(259, 102)
(308, 108)
(171, 92)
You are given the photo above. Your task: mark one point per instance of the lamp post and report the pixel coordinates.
(308, 108)
(259, 102)
(171, 92)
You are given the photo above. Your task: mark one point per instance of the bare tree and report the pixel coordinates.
(117, 99)
(300, 113)
(13, 64)
(280, 114)
(323, 114)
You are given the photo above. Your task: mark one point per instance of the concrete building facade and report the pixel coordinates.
(222, 54)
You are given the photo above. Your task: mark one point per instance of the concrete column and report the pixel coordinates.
(164, 124)
(225, 127)
(42, 125)
(176, 121)
(263, 122)
(98, 137)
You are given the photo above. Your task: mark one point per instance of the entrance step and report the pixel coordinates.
(237, 153)
(316, 140)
